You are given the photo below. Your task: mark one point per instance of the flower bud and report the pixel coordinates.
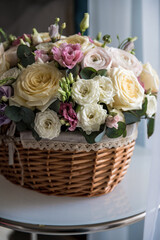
(99, 35)
(27, 39)
(84, 23)
(53, 31)
(63, 26)
(57, 20)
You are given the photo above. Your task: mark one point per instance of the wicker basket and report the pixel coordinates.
(69, 173)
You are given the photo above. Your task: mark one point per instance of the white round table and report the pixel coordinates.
(26, 210)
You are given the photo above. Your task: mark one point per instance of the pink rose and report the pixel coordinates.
(68, 55)
(125, 59)
(41, 56)
(97, 58)
(69, 114)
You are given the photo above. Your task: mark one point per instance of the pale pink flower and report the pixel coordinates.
(68, 55)
(122, 58)
(69, 114)
(112, 121)
(53, 30)
(97, 58)
(41, 56)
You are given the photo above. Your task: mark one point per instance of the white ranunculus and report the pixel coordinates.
(106, 89)
(121, 58)
(97, 58)
(91, 116)
(150, 78)
(47, 124)
(85, 91)
(129, 92)
(151, 106)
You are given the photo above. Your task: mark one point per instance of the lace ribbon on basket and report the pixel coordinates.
(74, 141)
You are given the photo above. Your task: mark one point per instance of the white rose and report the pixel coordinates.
(85, 91)
(47, 124)
(121, 58)
(151, 106)
(97, 58)
(150, 78)
(91, 116)
(106, 89)
(4, 65)
(129, 92)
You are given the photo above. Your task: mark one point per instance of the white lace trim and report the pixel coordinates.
(74, 141)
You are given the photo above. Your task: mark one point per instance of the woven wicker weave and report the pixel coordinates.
(68, 173)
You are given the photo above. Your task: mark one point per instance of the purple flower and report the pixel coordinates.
(3, 119)
(5, 91)
(68, 55)
(53, 30)
(129, 46)
(41, 56)
(17, 41)
(69, 114)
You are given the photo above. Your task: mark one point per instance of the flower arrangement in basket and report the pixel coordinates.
(68, 107)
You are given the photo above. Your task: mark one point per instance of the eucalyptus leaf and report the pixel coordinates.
(150, 127)
(25, 55)
(131, 117)
(87, 72)
(91, 137)
(35, 135)
(13, 113)
(114, 133)
(102, 72)
(55, 106)
(27, 115)
(143, 110)
(21, 126)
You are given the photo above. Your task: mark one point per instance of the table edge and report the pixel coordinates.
(70, 230)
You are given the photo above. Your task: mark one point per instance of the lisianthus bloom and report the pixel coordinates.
(17, 41)
(53, 30)
(47, 124)
(5, 92)
(112, 120)
(3, 119)
(68, 55)
(41, 56)
(69, 114)
(97, 58)
(124, 59)
(149, 78)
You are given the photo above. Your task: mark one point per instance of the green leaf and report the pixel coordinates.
(21, 126)
(55, 106)
(114, 133)
(87, 73)
(131, 117)
(27, 115)
(142, 112)
(7, 81)
(100, 136)
(13, 113)
(150, 127)
(102, 72)
(91, 137)
(25, 55)
(35, 135)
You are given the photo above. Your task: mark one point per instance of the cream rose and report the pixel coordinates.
(37, 85)
(151, 106)
(150, 78)
(4, 65)
(47, 124)
(11, 56)
(85, 91)
(97, 58)
(106, 89)
(129, 92)
(73, 39)
(91, 116)
(121, 58)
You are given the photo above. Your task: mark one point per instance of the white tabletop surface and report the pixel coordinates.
(126, 200)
